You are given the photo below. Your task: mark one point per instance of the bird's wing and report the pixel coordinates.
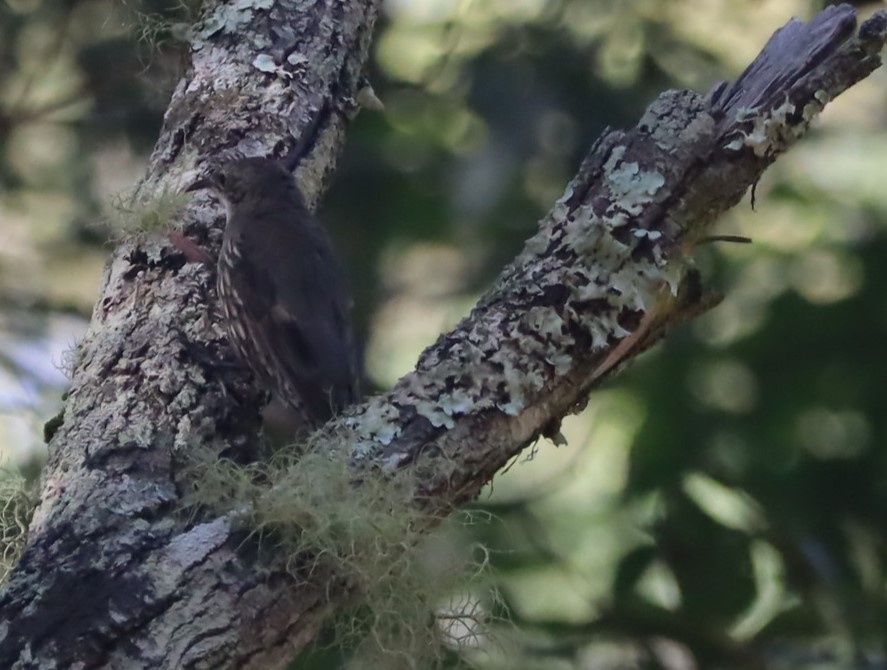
(305, 317)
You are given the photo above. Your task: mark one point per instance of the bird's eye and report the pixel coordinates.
(220, 178)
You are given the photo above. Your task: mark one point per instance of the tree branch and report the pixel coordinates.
(115, 576)
(609, 259)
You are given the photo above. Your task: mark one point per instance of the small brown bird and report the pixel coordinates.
(281, 288)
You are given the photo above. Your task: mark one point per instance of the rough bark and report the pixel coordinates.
(115, 576)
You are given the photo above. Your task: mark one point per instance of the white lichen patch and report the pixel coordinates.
(812, 110)
(379, 422)
(581, 232)
(652, 235)
(183, 434)
(441, 402)
(589, 237)
(521, 377)
(609, 277)
(458, 402)
(561, 208)
(562, 363)
(188, 549)
(613, 160)
(535, 246)
(590, 289)
(776, 130)
(547, 323)
(255, 4)
(484, 372)
(516, 403)
(631, 188)
(229, 18)
(602, 329)
(433, 411)
(265, 63)
(517, 374)
(632, 288)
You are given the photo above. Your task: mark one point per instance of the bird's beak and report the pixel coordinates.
(199, 184)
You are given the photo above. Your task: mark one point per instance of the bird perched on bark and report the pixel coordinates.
(281, 289)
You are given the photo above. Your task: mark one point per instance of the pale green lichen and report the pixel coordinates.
(562, 363)
(17, 501)
(434, 412)
(265, 63)
(131, 214)
(546, 322)
(379, 422)
(631, 188)
(517, 402)
(604, 284)
(812, 110)
(560, 210)
(776, 130)
(735, 144)
(230, 18)
(651, 235)
(458, 402)
(323, 522)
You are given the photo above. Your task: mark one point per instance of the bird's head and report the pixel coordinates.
(244, 178)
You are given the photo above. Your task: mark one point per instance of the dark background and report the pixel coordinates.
(722, 502)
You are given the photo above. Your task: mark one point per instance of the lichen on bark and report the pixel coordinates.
(115, 576)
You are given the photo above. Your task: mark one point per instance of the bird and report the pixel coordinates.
(282, 292)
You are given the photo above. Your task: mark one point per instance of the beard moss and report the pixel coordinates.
(132, 215)
(18, 498)
(417, 590)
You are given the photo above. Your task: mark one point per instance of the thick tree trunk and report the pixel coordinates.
(115, 576)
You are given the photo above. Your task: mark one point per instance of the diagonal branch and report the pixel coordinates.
(608, 267)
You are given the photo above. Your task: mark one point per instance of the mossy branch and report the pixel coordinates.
(610, 265)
